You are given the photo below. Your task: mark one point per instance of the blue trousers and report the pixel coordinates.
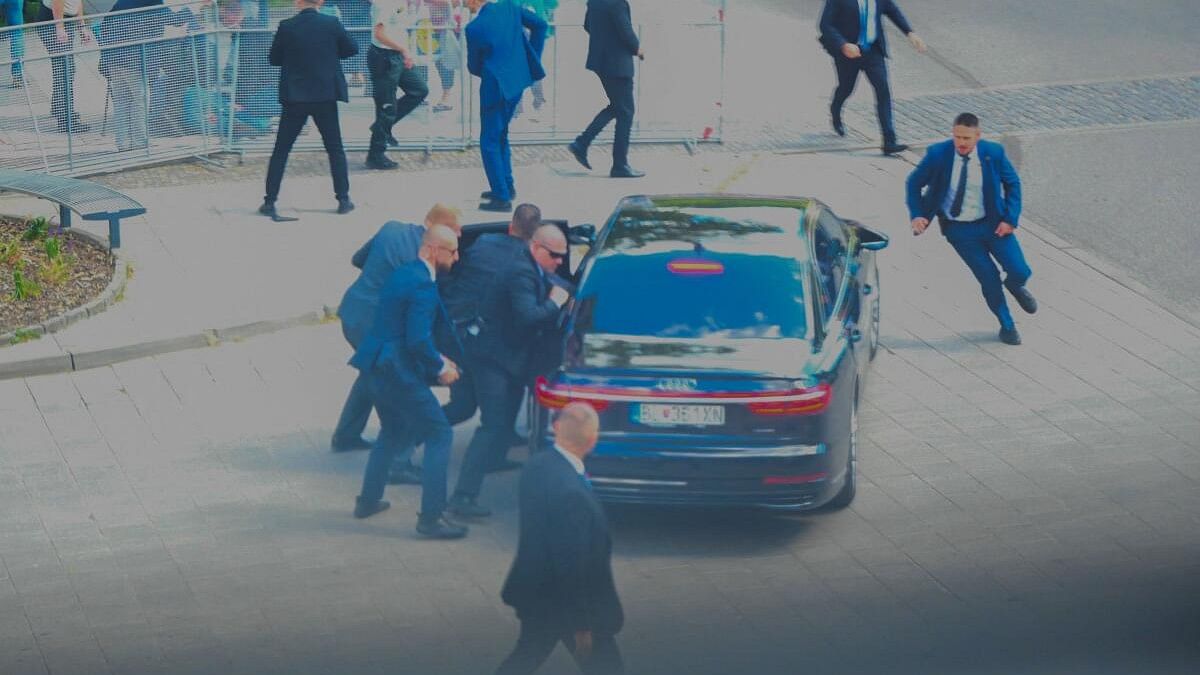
(493, 146)
(414, 416)
(14, 16)
(977, 244)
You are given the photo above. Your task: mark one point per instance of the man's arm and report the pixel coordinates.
(386, 40)
(622, 20)
(537, 28)
(530, 311)
(476, 51)
(275, 56)
(829, 32)
(345, 44)
(570, 533)
(892, 11)
(360, 256)
(918, 179)
(1011, 182)
(418, 337)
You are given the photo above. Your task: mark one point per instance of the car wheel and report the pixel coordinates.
(874, 343)
(846, 495)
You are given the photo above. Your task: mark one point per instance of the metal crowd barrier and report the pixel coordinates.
(191, 79)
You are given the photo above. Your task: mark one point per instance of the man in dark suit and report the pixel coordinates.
(514, 311)
(401, 361)
(393, 245)
(308, 49)
(852, 33)
(507, 61)
(975, 192)
(561, 583)
(612, 44)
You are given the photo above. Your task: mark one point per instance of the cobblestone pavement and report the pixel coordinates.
(1028, 509)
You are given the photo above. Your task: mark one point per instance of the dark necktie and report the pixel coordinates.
(587, 482)
(956, 205)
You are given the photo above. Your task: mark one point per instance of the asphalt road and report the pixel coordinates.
(1124, 194)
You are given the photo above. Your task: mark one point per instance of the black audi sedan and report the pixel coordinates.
(724, 340)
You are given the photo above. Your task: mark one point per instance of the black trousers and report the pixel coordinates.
(62, 98)
(538, 639)
(874, 64)
(387, 74)
(620, 107)
(499, 397)
(291, 122)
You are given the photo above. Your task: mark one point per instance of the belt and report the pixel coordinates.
(385, 50)
(950, 221)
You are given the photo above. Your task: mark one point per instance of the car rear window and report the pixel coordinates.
(699, 273)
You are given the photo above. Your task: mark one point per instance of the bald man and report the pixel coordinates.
(401, 362)
(395, 244)
(561, 583)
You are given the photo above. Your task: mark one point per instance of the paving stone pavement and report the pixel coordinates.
(1030, 509)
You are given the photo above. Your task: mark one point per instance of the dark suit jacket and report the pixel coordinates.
(515, 310)
(499, 52)
(393, 245)
(612, 42)
(929, 183)
(400, 344)
(308, 49)
(563, 568)
(840, 24)
(479, 268)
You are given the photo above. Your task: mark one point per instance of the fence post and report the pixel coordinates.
(37, 132)
(721, 85)
(145, 97)
(236, 49)
(201, 92)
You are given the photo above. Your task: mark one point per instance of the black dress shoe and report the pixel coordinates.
(367, 509)
(625, 172)
(504, 465)
(381, 163)
(501, 205)
(580, 154)
(409, 475)
(268, 209)
(1010, 336)
(359, 443)
(440, 528)
(344, 206)
(839, 128)
(894, 149)
(467, 507)
(489, 195)
(1024, 298)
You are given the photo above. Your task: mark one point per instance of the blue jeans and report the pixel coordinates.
(14, 16)
(414, 416)
(977, 244)
(494, 149)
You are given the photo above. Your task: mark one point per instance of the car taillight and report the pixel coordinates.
(555, 397)
(802, 401)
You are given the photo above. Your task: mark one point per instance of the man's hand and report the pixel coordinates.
(408, 60)
(917, 42)
(583, 644)
(1004, 229)
(85, 34)
(450, 372)
(641, 54)
(919, 225)
(559, 295)
(851, 51)
(60, 34)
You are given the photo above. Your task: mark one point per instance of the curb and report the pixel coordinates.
(115, 287)
(209, 337)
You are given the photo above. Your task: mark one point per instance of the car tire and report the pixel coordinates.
(875, 319)
(846, 495)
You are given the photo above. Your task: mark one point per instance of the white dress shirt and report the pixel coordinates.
(575, 461)
(972, 207)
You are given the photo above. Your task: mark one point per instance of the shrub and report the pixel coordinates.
(56, 271)
(53, 248)
(10, 251)
(24, 287)
(36, 229)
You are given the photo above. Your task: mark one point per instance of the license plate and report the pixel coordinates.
(671, 414)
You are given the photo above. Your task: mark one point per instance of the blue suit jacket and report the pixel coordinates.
(929, 183)
(840, 24)
(400, 344)
(501, 54)
(393, 245)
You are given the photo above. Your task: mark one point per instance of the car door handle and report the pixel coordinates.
(854, 335)
(867, 289)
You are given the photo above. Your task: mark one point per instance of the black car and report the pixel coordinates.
(724, 340)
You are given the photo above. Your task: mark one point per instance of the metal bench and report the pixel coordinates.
(91, 201)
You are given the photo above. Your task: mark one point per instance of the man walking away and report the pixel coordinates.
(975, 192)
(14, 16)
(561, 583)
(308, 49)
(514, 312)
(612, 44)
(852, 33)
(402, 362)
(63, 20)
(507, 61)
(393, 245)
(391, 65)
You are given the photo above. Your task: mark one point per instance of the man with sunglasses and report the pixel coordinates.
(515, 310)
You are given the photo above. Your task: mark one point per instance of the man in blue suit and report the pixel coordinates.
(402, 362)
(393, 245)
(507, 61)
(852, 33)
(975, 192)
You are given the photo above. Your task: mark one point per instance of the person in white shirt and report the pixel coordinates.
(59, 38)
(391, 64)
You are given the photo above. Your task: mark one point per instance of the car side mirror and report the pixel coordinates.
(869, 239)
(584, 234)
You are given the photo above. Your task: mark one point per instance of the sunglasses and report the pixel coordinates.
(553, 254)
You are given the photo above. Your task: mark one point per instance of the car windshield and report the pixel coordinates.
(699, 272)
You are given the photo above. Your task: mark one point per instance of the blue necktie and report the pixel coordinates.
(862, 26)
(957, 204)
